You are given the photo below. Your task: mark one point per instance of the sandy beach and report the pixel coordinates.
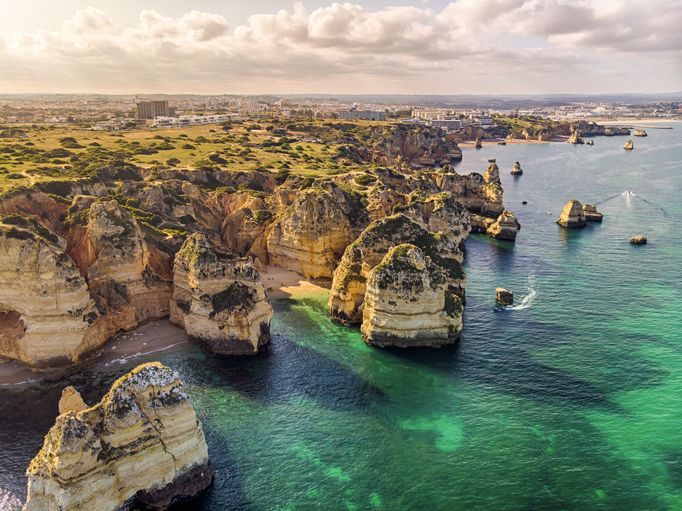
(161, 335)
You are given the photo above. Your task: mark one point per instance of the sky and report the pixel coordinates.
(358, 47)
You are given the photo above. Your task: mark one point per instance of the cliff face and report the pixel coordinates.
(219, 299)
(347, 294)
(47, 316)
(118, 266)
(141, 443)
(481, 196)
(408, 303)
(311, 234)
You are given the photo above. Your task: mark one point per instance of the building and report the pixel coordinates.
(365, 115)
(152, 109)
(446, 124)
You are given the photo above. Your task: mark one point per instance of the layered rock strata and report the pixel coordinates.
(311, 235)
(505, 227)
(48, 319)
(219, 299)
(572, 216)
(347, 293)
(141, 444)
(408, 302)
(591, 213)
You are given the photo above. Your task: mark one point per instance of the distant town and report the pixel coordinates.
(112, 113)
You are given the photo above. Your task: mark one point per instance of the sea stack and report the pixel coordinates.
(517, 170)
(408, 303)
(576, 137)
(639, 133)
(492, 173)
(219, 299)
(591, 213)
(639, 239)
(589, 142)
(478, 145)
(629, 145)
(505, 227)
(504, 296)
(572, 216)
(142, 444)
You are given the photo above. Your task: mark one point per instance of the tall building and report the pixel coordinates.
(152, 109)
(366, 115)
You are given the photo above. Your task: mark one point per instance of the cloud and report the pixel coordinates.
(480, 44)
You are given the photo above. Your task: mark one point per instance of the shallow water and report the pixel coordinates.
(570, 400)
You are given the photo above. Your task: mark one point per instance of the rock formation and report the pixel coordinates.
(141, 444)
(347, 294)
(629, 145)
(572, 216)
(311, 235)
(480, 195)
(589, 142)
(591, 213)
(48, 319)
(71, 401)
(638, 239)
(576, 137)
(639, 133)
(492, 173)
(408, 302)
(505, 227)
(219, 299)
(478, 144)
(504, 296)
(517, 170)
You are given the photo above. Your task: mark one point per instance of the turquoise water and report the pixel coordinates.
(570, 401)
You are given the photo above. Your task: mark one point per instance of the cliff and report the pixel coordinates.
(311, 235)
(347, 293)
(408, 303)
(219, 299)
(141, 444)
(505, 227)
(47, 317)
(572, 216)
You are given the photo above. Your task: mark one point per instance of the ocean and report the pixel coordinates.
(569, 400)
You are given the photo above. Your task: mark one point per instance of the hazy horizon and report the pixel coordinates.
(370, 47)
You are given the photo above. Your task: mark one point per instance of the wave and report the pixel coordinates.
(126, 359)
(25, 382)
(528, 300)
(8, 501)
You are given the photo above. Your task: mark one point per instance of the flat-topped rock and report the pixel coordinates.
(591, 213)
(504, 296)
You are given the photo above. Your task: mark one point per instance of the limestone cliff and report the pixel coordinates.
(408, 302)
(47, 317)
(219, 299)
(505, 227)
(141, 444)
(311, 235)
(480, 195)
(350, 277)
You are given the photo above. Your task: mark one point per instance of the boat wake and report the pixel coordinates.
(528, 300)
(629, 196)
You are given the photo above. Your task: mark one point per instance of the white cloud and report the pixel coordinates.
(470, 45)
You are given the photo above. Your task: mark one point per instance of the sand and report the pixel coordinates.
(162, 335)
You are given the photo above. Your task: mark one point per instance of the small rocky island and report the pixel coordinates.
(141, 444)
(517, 170)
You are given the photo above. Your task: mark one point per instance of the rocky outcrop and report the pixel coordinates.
(480, 195)
(517, 170)
(572, 216)
(638, 239)
(311, 235)
(141, 444)
(575, 137)
(639, 133)
(504, 296)
(71, 401)
(219, 299)
(492, 173)
(505, 227)
(629, 145)
(478, 144)
(589, 142)
(347, 293)
(591, 213)
(48, 319)
(114, 255)
(408, 302)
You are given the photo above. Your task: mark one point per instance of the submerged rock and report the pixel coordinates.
(591, 213)
(505, 227)
(408, 302)
(638, 239)
(141, 444)
(504, 296)
(219, 299)
(572, 216)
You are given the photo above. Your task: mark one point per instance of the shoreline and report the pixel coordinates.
(158, 335)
